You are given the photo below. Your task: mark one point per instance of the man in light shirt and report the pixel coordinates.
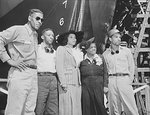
(47, 101)
(22, 77)
(120, 66)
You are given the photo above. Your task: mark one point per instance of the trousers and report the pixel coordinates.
(121, 95)
(22, 92)
(47, 100)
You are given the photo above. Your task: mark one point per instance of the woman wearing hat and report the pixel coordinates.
(94, 80)
(67, 69)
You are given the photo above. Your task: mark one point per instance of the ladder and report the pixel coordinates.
(140, 72)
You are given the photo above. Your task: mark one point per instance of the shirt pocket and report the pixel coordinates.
(122, 62)
(24, 45)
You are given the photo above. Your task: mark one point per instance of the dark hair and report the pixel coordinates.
(65, 39)
(32, 11)
(45, 30)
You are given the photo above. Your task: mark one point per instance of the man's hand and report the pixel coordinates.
(18, 64)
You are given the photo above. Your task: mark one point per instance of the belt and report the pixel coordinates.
(119, 74)
(46, 73)
(32, 66)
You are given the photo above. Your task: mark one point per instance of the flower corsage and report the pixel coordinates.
(98, 60)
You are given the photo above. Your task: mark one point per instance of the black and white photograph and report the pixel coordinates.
(74, 57)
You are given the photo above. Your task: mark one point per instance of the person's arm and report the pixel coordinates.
(3, 53)
(60, 64)
(60, 67)
(105, 75)
(131, 65)
(7, 36)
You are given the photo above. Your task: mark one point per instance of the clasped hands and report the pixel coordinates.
(64, 86)
(106, 89)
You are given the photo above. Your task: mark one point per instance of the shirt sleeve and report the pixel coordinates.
(6, 37)
(131, 64)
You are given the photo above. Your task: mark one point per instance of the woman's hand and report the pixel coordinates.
(64, 87)
(106, 89)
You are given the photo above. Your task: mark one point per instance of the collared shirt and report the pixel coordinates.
(121, 62)
(86, 57)
(22, 44)
(78, 55)
(91, 60)
(96, 58)
(46, 62)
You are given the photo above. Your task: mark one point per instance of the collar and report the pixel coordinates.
(68, 46)
(86, 57)
(30, 31)
(44, 45)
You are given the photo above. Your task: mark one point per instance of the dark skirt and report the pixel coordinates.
(93, 96)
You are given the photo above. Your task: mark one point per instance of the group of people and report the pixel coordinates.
(71, 80)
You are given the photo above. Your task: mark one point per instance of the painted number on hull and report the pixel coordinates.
(62, 20)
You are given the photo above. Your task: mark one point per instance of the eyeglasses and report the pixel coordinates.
(38, 18)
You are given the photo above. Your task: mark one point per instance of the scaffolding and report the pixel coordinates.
(142, 60)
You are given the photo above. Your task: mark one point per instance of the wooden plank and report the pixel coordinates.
(144, 49)
(146, 35)
(139, 15)
(147, 25)
(142, 0)
(143, 69)
(139, 84)
(147, 100)
(3, 80)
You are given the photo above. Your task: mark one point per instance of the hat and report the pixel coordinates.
(86, 44)
(113, 31)
(79, 36)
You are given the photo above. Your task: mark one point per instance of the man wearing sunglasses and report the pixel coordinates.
(22, 76)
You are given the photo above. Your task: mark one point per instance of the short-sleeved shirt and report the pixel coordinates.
(121, 62)
(46, 62)
(22, 44)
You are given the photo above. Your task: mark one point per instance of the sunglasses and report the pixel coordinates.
(38, 18)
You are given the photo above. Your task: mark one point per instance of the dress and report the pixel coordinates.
(68, 74)
(93, 80)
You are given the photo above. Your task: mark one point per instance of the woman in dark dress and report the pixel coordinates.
(94, 80)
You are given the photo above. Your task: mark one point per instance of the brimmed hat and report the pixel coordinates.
(86, 44)
(113, 31)
(79, 36)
